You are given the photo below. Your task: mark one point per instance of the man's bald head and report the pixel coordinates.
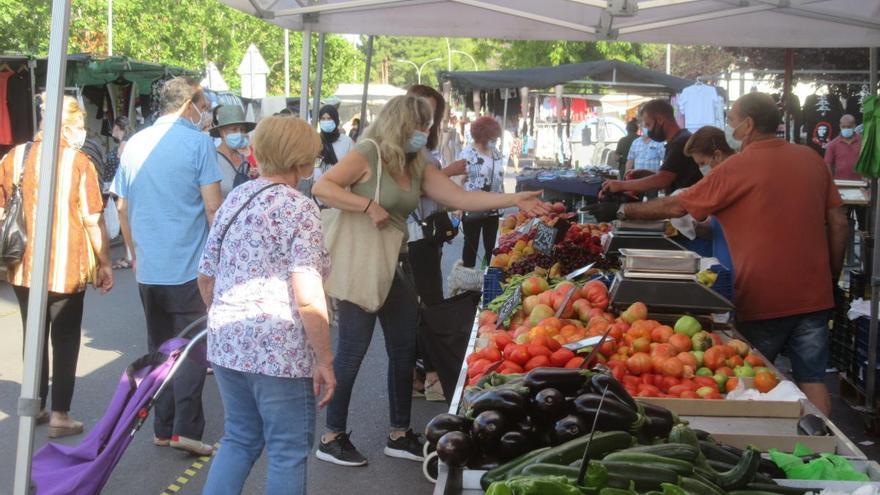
(847, 121)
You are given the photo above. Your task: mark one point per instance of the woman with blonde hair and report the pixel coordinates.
(78, 237)
(268, 338)
(398, 136)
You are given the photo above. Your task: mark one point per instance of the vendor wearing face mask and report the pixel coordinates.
(843, 151)
(677, 170)
(787, 235)
(231, 126)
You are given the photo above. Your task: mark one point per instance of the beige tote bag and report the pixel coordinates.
(363, 258)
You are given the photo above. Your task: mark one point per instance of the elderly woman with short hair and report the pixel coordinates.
(261, 275)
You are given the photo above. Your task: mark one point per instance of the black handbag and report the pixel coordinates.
(13, 231)
(436, 227)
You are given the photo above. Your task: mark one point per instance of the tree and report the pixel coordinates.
(392, 56)
(810, 58)
(691, 62)
(185, 33)
(522, 54)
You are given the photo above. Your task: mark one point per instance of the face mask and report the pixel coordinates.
(705, 169)
(847, 133)
(645, 131)
(492, 144)
(734, 143)
(417, 141)
(237, 140)
(75, 137)
(197, 123)
(657, 133)
(327, 126)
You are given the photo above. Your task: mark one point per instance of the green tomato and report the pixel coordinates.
(688, 325)
(721, 380)
(705, 372)
(762, 369)
(744, 371)
(704, 391)
(699, 356)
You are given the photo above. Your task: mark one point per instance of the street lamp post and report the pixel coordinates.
(468, 55)
(419, 68)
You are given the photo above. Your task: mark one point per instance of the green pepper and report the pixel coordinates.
(529, 485)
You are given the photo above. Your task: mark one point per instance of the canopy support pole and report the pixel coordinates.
(304, 76)
(363, 124)
(504, 120)
(29, 402)
(786, 91)
(319, 79)
(286, 63)
(559, 110)
(870, 378)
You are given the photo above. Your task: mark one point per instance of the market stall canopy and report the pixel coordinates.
(348, 97)
(790, 23)
(624, 76)
(85, 70)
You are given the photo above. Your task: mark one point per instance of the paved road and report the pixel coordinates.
(114, 334)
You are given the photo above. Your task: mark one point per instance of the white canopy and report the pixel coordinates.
(789, 23)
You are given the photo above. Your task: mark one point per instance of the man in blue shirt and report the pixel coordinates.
(645, 154)
(168, 185)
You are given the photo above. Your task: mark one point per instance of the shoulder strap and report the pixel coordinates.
(378, 167)
(20, 162)
(238, 211)
(237, 169)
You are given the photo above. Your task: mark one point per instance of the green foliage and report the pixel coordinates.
(429, 54)
(545, 53)
(185, 33)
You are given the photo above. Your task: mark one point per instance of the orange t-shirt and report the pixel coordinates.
(772, 201)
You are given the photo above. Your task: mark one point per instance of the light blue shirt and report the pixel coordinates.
(646, 155)
(160, 175)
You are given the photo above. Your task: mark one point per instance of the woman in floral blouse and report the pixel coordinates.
(268, 339)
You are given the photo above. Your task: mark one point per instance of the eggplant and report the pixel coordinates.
(504, 400)
(549, 405)
(442, 424)
(660, 420)
(487, 429)
(569, 428)
(613, 416)
(526, 426)
(701, 434)
(485, 462)
(514, 444)
(566, 380)
(455, 448)
(615, 389)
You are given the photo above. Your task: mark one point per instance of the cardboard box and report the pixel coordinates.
(784, 443)
(729, 408)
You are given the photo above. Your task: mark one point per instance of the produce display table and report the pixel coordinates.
(758, 423)
(450, 481)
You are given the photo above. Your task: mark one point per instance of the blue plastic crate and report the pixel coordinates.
(492, 284)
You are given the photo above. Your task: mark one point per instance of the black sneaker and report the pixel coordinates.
(340, 451)
(410, 447)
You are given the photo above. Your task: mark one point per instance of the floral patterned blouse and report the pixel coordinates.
(254, 325)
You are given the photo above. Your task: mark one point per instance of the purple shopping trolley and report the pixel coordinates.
(84, 469)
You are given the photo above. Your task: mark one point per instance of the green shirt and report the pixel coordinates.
(398, 202)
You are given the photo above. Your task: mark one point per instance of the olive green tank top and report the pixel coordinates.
(398, 202)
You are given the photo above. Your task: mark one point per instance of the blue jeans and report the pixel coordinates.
(260, 410)
(399, 319)
(804, 338)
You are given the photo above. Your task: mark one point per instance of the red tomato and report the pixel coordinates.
(680, 342)
(473, 357)
(607, 348)
(478, 367)
(561, 357)
(689, 394)
(575, 362)
(662, 333)
(690, 383)
(734, 361)
(540, 361)
(617, 372)
(648, 379)
(539, 350)
(491, 354)
(668, 382)
(652, 392)
(727, 371)
(553, 345)
(646, 387)
(665, 350)
(632, 391)
(639, 363)
(678, 390)
(509, 349)
(713, 396)
(631, 381)
(501, 340)
(510, 365)
(687, 359)
(672, 367)
(520, 355)
(706, 381)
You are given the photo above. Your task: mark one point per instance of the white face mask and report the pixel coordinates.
(729, 130)
(705, 169)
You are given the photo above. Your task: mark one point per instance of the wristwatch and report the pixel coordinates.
(621, 212)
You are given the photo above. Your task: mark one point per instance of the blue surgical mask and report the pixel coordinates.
(644, 132)
(417, 141)
(327, 126)
(237, 140)
(847, 132)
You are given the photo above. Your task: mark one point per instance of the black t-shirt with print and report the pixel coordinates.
(686, 170)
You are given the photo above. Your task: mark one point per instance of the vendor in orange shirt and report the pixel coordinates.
(787, 234)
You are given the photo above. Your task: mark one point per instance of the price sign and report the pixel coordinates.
(509, 306)
(544, 239)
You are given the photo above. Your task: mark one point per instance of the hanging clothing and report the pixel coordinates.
(698, 105)
(5, 122)
(822, 120)
(20, 104)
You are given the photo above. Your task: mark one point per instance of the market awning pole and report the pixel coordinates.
(304, 77)
(319, 79)
(29, 402)
(870, 374)
(786, 90)
(506, 94)
(286, 63)
(366, 86)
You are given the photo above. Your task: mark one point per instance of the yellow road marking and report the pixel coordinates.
(189, 473)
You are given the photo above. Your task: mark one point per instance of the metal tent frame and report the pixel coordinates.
(760, 23)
